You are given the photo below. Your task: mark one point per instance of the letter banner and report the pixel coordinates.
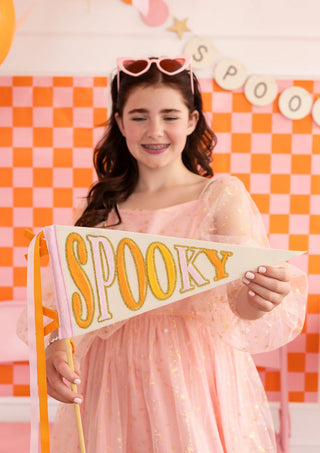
(102, 276)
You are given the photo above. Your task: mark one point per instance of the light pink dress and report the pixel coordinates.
(181, 378)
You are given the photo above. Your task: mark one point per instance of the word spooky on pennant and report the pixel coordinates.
(104, 276)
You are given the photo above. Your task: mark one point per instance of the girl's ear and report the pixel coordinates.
(193, 121)
(119, 123)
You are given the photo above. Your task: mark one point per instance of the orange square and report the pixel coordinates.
(311, 382)
(241, 143)
(22, 157)
(5, 96)
(281, 143)
(82, 97)
(20, 276)
(303, 126)
(99, 117)
(42, 137)
(262, 201)
(300, 164)
(279, 224)
(63, 81)
(6, 216)
(6, 177)
(280, 183)
(6, 256)
(22, 116)
(22, 196)
(62, 157)
(306, 84)
(296, 361)
(82, 177)
(216, 87)
(207, 101)
(82, 137)
(315, 224)
(314, 264)
(42, 177)
(62, 117)
(42, 217)
(261, 122)
(21, 390)
(5, 136)
(296, 397)
(275, 105)
(315, 184)
(19, 239)
(312, 344)
(240, 103)
(22, 81)
(316, 144)
(221, 122)
(62, 198)
(314, 303)
(6, 374)
(6, 294)
(298, 242)
(42, 96)
(221, 163)
(272, 383)
(100, 81)
(260, 163)
(299, 204)
(244, 178)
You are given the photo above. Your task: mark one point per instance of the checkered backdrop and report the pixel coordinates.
(48, 128)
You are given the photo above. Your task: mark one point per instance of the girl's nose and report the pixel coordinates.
(155, 128)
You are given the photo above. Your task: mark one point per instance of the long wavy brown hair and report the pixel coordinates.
(117, 170)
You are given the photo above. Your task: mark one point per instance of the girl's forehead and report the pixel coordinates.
(155, 94)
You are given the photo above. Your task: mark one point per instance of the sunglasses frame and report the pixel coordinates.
(186, 58)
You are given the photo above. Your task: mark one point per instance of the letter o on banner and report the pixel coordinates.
(295, 103)
(230, 74)
(202, 51)
(316, 112)
(261, 89)
(7, 27)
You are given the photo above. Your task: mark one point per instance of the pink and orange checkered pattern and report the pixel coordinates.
(48, 128)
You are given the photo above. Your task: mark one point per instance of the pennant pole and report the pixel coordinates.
(76, 406)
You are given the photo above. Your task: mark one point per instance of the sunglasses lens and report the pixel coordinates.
(172, 65)
(135, 66)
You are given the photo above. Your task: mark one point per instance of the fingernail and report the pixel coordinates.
(250, 275)
(77, 400)
(262, 269)
(77, 381)
(245, 280)
(251, 293)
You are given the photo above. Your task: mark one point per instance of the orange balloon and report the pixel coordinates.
(7, 27)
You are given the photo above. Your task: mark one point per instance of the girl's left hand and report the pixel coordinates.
(267, 287)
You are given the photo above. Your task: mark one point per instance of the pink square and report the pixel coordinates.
(6, 81)
(23, 137)
(79, 198)
(298, 345)
(20, 292)
(296, 382)
(82, 117)
(6, 117)
(6, 390)
(241, 122)
(281, 124)
(310, 397)
(6, 159)
(315, 205)
(314, 284)
(281, 164)
(42, 197)
(43, 157)
(22, 217)
(62, 97)
(299, 224)
(6, 275)
(260, 183)
(301, 144)
(83, 82)
(222, 102)
(62, 177)
(6, 197)
(42, 81)
(63, 137)
(22, 96)
(63, 216)
(42, 117)
(279, 241)
(100, 97)
(19, 258)
(316, 86)
(205, 85)
(262, 108)
(300, 184)
(240, 163)
(312, 362)
(22, 177)
(261, 143)
(313, 323)
(314, 243)
(97, 134)
(6, 236)
(315, 164)
(223, 145)
(279, 204)
(82, 158)
(21, 374)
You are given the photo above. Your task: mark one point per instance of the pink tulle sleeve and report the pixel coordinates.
(236, 219)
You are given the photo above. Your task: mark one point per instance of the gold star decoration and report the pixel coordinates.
(179, 26)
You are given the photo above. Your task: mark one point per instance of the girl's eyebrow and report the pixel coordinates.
(133, 111)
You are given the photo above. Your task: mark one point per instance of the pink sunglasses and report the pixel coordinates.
(169, 66)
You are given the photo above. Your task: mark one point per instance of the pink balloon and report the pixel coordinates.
(158, 13)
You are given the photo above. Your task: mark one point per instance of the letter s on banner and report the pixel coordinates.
(230, 74)
(295, 103)
(261, 89)
(202, 51)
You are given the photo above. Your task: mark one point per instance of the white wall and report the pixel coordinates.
(277, 37)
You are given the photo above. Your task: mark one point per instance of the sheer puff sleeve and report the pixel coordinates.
(234, 218)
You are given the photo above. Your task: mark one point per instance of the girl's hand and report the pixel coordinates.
(59, 374)
(265, 290)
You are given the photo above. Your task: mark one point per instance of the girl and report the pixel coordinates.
(179, 378)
